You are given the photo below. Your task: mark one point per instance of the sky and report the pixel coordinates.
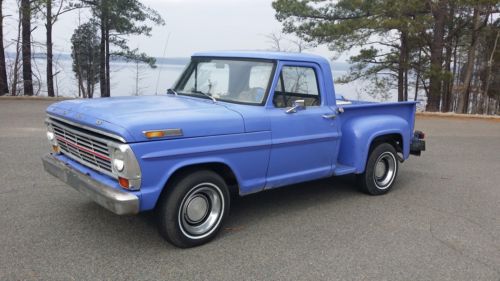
(191, 26)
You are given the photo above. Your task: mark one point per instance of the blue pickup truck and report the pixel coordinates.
(233, 123)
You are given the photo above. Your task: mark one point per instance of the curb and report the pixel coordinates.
(458, 116)
(41, 98)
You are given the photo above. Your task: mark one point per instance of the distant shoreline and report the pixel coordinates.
(179, 61)
(67, 57)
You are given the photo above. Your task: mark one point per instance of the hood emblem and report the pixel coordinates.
(98, 122)
(163, 133)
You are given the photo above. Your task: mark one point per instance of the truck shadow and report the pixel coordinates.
(247, 212)
(257, 207)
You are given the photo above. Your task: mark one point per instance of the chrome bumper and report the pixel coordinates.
(117, 201)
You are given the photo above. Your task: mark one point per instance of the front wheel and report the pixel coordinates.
(381, 170)
(193, 211)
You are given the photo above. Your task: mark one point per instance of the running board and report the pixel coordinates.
(343, 170)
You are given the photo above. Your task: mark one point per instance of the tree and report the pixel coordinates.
(117, 19)
(51, 17)
(439, 13)
(26, 47)
(16, 63)
(276, 41)
(4, 85)
(382, 29)
(85, 53)
(279, 42)
(405, 42)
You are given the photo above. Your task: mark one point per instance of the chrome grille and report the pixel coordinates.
(85, 147)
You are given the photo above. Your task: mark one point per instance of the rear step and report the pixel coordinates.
(343, 170)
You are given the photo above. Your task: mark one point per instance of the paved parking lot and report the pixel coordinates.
(440, 222)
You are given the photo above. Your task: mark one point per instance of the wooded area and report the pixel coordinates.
(446, 50)
(93, 42)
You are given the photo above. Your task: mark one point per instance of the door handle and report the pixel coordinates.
(329, 116)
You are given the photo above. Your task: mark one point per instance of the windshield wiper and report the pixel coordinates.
(205, 94)
(171, 91)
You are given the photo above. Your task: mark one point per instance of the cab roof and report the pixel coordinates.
(268, 55)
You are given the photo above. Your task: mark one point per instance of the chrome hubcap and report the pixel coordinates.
(385, 170)
(197, 208)
(380, 169)
(201, 211)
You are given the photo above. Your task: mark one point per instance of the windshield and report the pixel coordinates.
(240, 81)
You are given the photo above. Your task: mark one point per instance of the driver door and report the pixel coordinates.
(304, 141)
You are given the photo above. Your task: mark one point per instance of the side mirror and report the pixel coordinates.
(297, 105)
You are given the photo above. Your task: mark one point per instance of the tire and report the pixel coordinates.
(192, 212)
(381, 170)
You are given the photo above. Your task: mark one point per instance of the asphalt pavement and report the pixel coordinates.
(440, 222)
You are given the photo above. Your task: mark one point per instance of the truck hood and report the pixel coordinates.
(129, 117)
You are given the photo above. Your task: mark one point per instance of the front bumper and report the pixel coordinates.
(117, 201)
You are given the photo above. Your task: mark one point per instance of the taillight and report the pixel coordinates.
(419, 135)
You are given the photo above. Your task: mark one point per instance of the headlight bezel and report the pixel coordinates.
(131, 170)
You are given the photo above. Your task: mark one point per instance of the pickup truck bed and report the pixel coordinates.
(363, 122)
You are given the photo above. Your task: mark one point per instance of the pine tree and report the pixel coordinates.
(85, 53)
(384, 30)
(45, 8)
(117, 19)
(26, 47)
(4, 85)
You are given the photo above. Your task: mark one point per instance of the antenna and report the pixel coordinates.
(159, 68)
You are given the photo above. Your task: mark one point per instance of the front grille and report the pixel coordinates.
(88, 148)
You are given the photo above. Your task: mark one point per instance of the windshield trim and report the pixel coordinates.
(194, 61)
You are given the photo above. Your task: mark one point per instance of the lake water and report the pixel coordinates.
(130, 79)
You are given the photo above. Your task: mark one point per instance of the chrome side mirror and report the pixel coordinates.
(297, 105)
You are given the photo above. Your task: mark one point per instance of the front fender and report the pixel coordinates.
(150, 195)
(246, 155)
(358, 134)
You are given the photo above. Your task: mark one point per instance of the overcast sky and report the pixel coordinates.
(193, 25)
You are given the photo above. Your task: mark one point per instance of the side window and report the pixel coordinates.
(296, 83)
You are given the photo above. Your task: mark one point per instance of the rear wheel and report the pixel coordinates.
(193, 211)
(381, 170)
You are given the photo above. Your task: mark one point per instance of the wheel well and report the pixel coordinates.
(395, 140)
(221, 169)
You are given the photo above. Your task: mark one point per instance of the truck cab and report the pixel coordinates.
(234, 122)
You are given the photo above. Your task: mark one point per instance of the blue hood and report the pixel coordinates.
(128, 117)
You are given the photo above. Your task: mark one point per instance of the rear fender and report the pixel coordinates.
(358, 134)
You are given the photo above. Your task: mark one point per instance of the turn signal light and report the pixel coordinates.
(56, 149)
(123, 182)
(154, 134)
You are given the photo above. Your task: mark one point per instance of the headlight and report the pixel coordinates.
(118, 162)
(51, 137)
(126, 167)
